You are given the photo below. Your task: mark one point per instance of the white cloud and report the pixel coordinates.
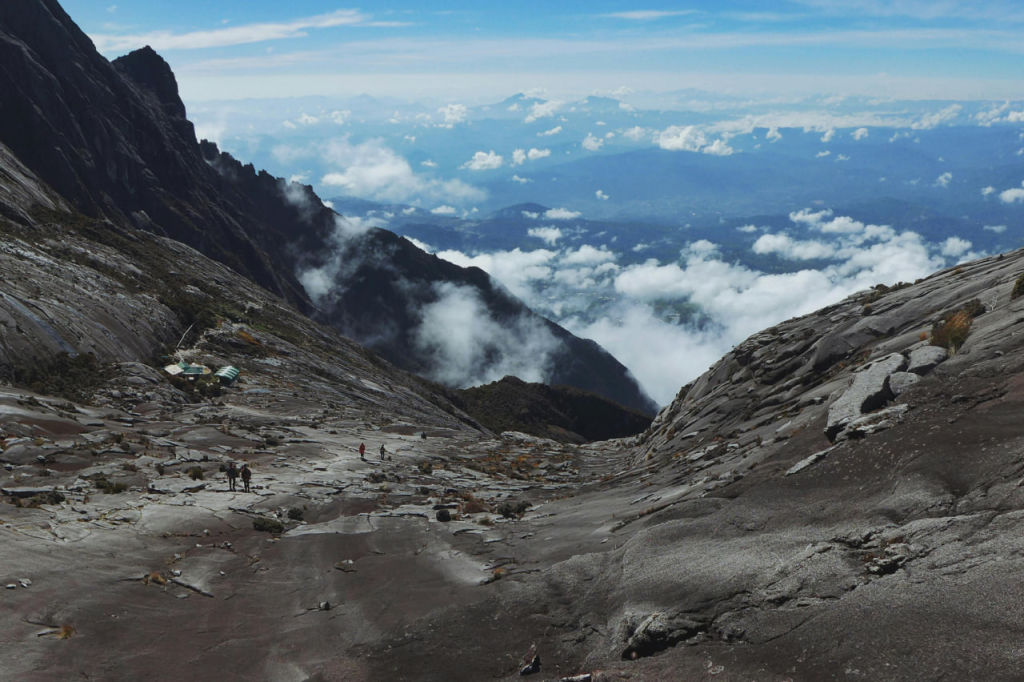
(548, 234)
(484, 161)
(453, 115)
(676, 139)
(998, 229)
(371, 170)
(422, 246)
(521, 181)
(1011, 196)
(542, 110)
(225, 37)
(468, 347)
(535, 154)
(829, 134)
(791, 249)
(929, 121)
(859, 133)
(560, 214)
(954, 247)
(637, 133)
(647, 15)
(591, 143)
(718, 148)
(588, 255)
(943, 180)
(445, 210)
(601, 195)
(548, 133)
(516, 269)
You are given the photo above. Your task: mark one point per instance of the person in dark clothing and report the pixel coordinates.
(246, 476)
(382, 451)
(232, 475)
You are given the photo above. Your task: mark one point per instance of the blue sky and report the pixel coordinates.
(441, 49)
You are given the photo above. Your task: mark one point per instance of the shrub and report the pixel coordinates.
(513, 510)
(1018, 288)
(267, 525)
(473, 504)
(952, 332)
(195, 473)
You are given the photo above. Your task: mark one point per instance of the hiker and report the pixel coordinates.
(232, 475)
(382, 451)
(246, 476)
(362, 451)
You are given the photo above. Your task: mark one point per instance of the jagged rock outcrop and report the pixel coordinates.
(112, 141)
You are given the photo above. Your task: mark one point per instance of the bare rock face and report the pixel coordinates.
(869, 391)
(925, 359)
(899, 382)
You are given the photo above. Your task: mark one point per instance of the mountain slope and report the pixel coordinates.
(112, 140)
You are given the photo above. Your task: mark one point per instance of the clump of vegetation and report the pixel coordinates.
(1018, 288)
(473, 505)
(155, 578)
(104, 485)
(952, 330)
(72, 378)
(513, 510)
(266, 525)
(195, 473)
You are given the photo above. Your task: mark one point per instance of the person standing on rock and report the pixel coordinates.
(382, 451)
(232, 476)
(362, 451)
(246, 476)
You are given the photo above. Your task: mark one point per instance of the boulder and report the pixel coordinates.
(899, 382)
(869, 391)
(925, 359)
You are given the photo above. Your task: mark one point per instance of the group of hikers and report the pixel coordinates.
(362, 451)
(245, 473)
(234, 472)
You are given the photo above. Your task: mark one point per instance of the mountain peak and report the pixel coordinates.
(148, 69)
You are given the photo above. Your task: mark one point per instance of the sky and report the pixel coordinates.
(444, 49)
